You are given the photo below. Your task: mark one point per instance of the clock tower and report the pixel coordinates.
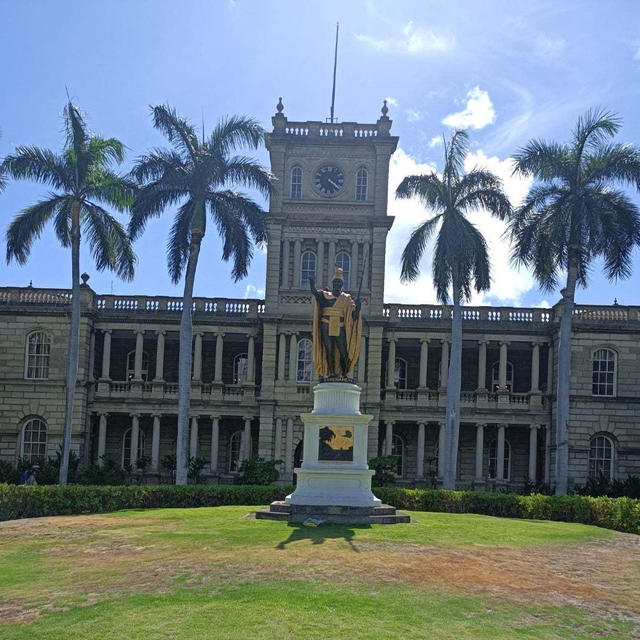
(328, 209)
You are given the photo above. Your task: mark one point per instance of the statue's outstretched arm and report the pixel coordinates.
(312, 287)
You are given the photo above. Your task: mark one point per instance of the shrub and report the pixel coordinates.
(384, 467)
(258, 471)
(196, 465)
(110, 473)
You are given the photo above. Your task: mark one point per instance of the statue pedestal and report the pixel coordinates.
(334, 470)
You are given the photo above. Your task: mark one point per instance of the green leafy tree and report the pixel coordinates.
(576, 212)
(82, 181)
(195, 175)
(460, 260)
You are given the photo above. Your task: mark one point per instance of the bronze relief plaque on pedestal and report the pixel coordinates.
(336, 444)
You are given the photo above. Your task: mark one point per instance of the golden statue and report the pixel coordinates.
(337, 330)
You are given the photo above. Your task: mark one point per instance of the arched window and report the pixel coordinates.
(362, 181)
(305, 364)
(400, 373)
(495, 376)
(34, 439)
(234, 461)
(603, 373)
(240, 368)
(131, 366)
(307, 268)
(296, 183)
(37, 354)
(493, 460)
(126, 446)
(601, 457)
(343, 260)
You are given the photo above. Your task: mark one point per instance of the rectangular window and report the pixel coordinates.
(296, 183)
(37, 356)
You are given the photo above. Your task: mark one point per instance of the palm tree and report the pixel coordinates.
(196, 175)
(82, 179)
(460, 261)
(573, 213)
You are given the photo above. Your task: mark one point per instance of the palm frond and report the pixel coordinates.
(413, 252)
(593, 128)
(159, 164)
(613, 163)
(428, 188)
(77, 142)
(236, 243)
(104, 151)
(177, 130)
(62, 222)
(150, 201)
(249, 173)
(455, 152)
(243, 207)
(233, 132)
(481, 189)
(39, 165)
(113, 189)
(180, 240)
(544, 160)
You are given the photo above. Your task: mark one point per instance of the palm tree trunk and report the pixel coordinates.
(74, 339)
(185, 362)
(452, 429)
(564, 374)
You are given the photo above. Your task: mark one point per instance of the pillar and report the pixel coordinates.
(424, 359)
(293, 357)
(246, 453)
(502, 367)
(391, 364)
(420, 453)
(286, 247)
(135, 436)
(500, 453)
(331, 264)
(547, 454)
(365, 266)
(251, 356)
(193, 438)
(320, 263)
(535, 368)
(296, 264)
(106, 354)
(533, 452)
(550, 370)
(288, 444)
(197, 356)
(160, 355)
(362, 360)
(482, 365)
(282, 347)
(388, 438)
(137, 371)
(92, 356)
(102, 438)
(155, 444)
(219, 352)
(215, 439)
(441, 449)
(277, 440)
(444, 364)
(479, 452)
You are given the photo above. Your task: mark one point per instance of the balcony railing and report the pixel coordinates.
(159, 304)
(32, 296)
(169, 390)
(432, 398)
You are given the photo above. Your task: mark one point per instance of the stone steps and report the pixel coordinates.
(384, 514)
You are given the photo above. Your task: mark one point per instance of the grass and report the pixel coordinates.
(214, 571)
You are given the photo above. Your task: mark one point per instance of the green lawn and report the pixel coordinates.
(215, 572)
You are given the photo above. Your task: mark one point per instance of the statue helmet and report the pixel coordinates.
(338, 274)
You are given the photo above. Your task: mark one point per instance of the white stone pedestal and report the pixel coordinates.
(334, 470)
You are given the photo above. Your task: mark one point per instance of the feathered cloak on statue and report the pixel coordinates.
(344, 307)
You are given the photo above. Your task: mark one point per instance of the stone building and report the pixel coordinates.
(252, 373)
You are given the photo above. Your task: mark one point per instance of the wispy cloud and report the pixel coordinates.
(436, 141)
(392, 102)
(478, 112)
(252, 291)
(413, 40)
(413, 115)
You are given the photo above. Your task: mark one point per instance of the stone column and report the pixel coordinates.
(391, 364)
(533, 452)
(135, 435)
(482, 365)
(502, 367)
(219, 352)
(441, 429)
(331, 265)
(246, 454)
(550, 370)
(251, 366)
(160, 356)
(296, 264)
(365, 263)
(215, 439)
(547, 454)
(102, 438)
(388, 438)
(137, 371)
(92, 356)
(424, 359)
(479, 452)
(155, 444)
(106, 354)
(293, 357)
(362, 360)
(535, 368)
(197, 356)
(420, 453)
(193, 439)
(500, 454)
(320, 263)
(285, 263)
(288, 446)
(277, 440)
(282, 348)
(444, 364)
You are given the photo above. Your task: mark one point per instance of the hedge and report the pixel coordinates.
(621, 514)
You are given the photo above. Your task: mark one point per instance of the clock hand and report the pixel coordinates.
(331, 182)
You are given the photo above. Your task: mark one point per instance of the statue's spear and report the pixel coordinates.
(353, 325)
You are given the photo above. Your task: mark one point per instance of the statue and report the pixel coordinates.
(337, 330)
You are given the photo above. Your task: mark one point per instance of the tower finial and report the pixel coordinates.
(335, 66)
(384, 109)
(280, 106)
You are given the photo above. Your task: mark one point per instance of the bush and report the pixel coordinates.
(258, 471)
(384, 467)
(603, 486)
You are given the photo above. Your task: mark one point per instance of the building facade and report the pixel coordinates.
(252, 370)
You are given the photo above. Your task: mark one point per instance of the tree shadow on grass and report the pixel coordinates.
(318, 535)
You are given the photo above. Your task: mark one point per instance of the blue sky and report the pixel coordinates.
(509, 71)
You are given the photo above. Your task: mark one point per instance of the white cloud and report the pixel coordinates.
(478, 112)
(392, 102)
(413, 115)
(413, 41)
(546, 47)
(252, 291)
(436, 141)
(508, 283)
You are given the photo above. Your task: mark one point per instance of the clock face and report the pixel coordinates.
(328, 180)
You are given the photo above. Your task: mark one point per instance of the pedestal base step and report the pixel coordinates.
(296, 513)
